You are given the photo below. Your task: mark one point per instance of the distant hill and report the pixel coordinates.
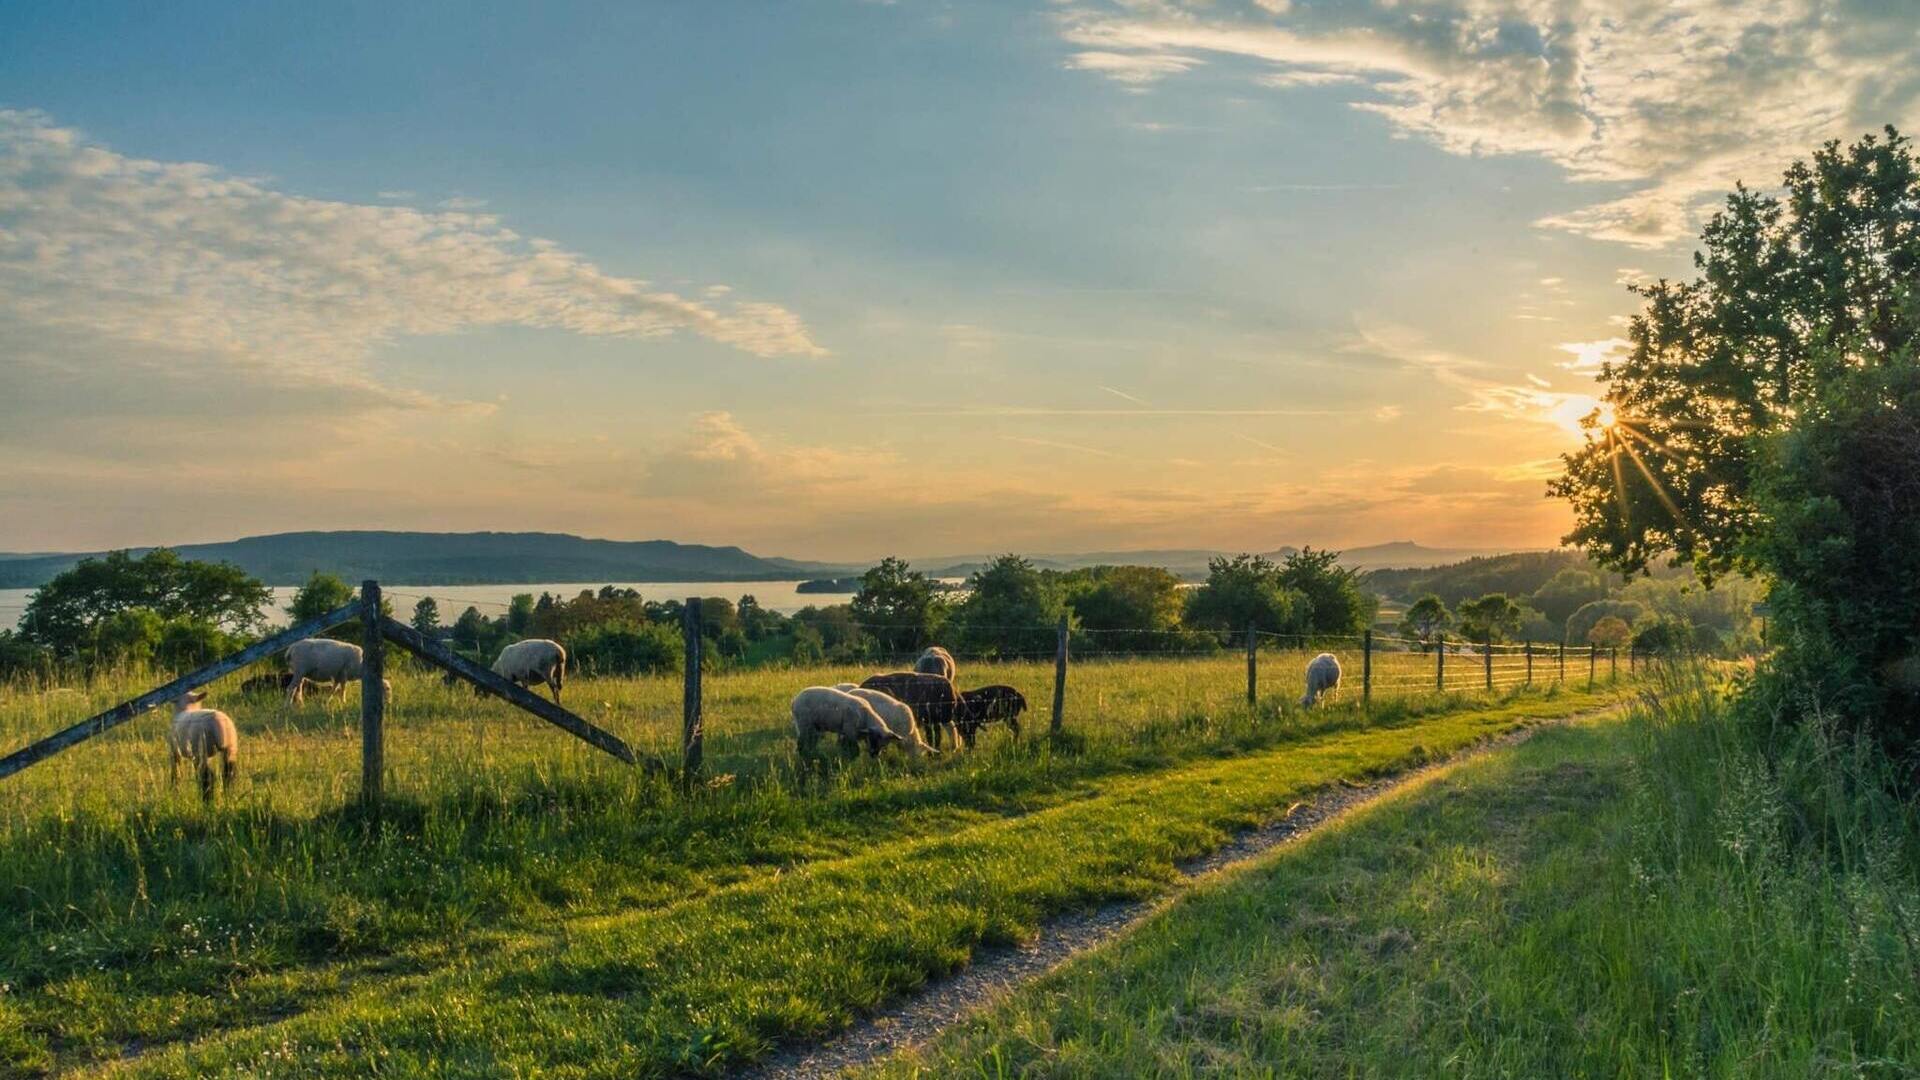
(423, 558)
(1518, 574)
(1191, 563)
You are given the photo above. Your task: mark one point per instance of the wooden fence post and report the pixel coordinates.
(1613, 664)
(692, 731)
(1366, 668)
(1632, 656)
(1593, 663)
(1060, 676)
(1529, 661)
(1253, 668)
(1562, 677)
(373, 694)
(1486, 650)
(1440, 664)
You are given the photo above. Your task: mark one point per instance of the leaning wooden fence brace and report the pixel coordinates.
(444, 658)
(127, 710)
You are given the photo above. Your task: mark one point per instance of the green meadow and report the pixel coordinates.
(523, 903)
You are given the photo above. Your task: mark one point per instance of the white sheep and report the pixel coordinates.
(535, 660)
(1323, 677)
(935, 660)
(822, 710)
(196, 736)
(324, 660)
(897, 714)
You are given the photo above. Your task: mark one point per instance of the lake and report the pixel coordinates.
(782, 596)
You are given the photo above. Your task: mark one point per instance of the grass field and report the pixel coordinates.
(524, 902)
(1639, 896)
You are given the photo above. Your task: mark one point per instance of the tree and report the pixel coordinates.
(1492, 617)
(62, 614)
(1610, 632)
(1581, 623)
(1335, 602)
(1791, 292)
(1011, 609)
(22, 659)
(520, 613)
(1766, 422)
(426, 617)
(321, 594)
(1130, 608)
(1566, 592)
(1426, 619)
(898, 605)
(1246, 589)
(470, 629)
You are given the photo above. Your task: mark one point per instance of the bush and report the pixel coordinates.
(628, 649)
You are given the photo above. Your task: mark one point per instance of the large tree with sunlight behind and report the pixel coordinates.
(1767, 420)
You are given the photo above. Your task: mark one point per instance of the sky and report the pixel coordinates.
(840, 279)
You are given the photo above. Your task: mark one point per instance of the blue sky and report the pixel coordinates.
(838, 279)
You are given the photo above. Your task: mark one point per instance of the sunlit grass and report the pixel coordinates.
(136, 915)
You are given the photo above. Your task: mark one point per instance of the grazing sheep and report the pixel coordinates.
(535, 660)
(935, 661)
(324, 660)
(268, 684)
(987, 704)
(1323, 677)
(898, 715)
(196, 736)
(931, 697)
(822, 710)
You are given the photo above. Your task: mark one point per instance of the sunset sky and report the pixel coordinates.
(834, 280)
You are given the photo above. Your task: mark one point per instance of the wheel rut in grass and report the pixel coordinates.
(994, 972)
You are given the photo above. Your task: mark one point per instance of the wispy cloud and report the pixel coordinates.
(1055, 444)
(1122, 394)
(110, 262)
(1676, 101)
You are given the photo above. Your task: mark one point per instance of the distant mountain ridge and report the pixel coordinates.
(424, 558)
(1191, 563)
(506, 558)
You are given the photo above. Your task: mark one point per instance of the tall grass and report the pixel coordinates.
(1655, 895)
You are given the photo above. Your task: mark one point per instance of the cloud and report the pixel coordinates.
(717, 458)
(115, 267)
(1589, 356)
(1132, 67)
(1676, 102)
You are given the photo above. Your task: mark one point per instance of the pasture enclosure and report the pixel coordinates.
(1391, 667)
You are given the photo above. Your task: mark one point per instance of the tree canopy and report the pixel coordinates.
(63, 614)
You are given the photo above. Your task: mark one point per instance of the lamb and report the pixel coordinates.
(931, 697)
(987, 704)
(935, 661)
(535, 660)
(821, 710)
(324, 660)
(897, 714)
(1323, 677)
(196, 736)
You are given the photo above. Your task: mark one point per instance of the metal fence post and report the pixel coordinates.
(373, 694)
(1440, 663)
(1562, 677)
(1253, 668)
(1613, 664)
(1366, 668)
(1529, 661)
(1486, 650)
(692, 730)
(1060, 676)
(1593, 663)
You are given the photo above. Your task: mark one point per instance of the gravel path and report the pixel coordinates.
(995, 971)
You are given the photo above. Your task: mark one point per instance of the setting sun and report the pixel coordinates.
(1604, 417)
